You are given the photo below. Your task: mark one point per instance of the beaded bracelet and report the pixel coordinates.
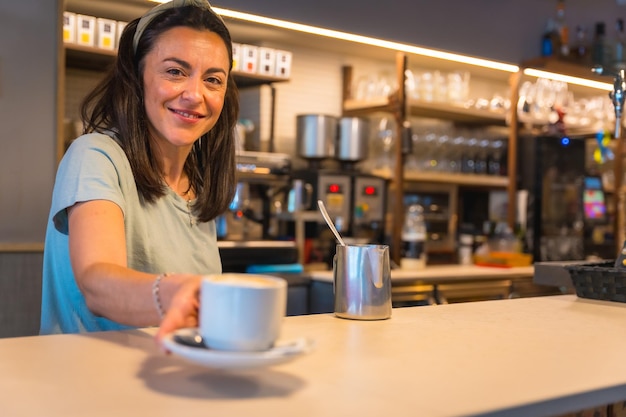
(156, 294)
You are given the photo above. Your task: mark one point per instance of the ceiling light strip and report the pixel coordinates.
(367, 40)
(568, 79)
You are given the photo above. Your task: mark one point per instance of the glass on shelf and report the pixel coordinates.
(416, 160)
(442, 149)
(495, 164)
(457, 149)
(426, 86)
(541, 102)
(412, 83)
(430, 160)
(384, 143)
(374, 86)
(458, 87)
(482, 153)
(438, 86)
(468, 161)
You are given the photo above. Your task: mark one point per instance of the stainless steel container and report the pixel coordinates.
(316, 136)
(362, 282)
(352, 141)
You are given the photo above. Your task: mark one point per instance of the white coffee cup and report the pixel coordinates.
(242, 312)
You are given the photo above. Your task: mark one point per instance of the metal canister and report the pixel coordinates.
(316, 136)
(362, 282)
(352, 139)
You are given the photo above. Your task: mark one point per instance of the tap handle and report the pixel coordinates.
(617, 95)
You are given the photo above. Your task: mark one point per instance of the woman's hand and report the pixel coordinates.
(183, 310)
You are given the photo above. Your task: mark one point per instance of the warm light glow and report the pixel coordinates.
(367, 40)
(568, 79)
(412, 49)
(396, 46)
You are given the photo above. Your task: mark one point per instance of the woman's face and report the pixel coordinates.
(184, 79)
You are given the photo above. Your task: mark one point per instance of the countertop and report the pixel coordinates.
(553, 273)
(440, 274)
(541, 356)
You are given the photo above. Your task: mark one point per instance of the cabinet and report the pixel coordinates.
(575, 70)
(402, 108)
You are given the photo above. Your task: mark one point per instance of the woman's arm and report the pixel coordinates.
(98, 256)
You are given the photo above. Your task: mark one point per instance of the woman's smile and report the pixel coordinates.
(187, 114)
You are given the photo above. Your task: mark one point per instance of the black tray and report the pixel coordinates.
(599, 281)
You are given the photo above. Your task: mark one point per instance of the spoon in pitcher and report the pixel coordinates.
(329, 222)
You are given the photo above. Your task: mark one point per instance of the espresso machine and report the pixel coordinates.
(261, 177)
(248, 234)
(355, 200)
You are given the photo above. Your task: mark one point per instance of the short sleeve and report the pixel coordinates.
(93, 168)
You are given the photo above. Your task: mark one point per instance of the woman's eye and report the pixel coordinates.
(214, 80)
(174, 71)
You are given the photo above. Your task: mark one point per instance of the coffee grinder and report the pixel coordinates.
(356, 201)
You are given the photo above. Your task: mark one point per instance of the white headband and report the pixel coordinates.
(155, 11)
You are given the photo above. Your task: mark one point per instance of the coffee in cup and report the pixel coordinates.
(241, 312)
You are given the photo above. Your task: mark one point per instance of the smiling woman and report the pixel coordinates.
(184, 91)
(135, 197)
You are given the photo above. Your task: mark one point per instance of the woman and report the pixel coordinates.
(135, 197)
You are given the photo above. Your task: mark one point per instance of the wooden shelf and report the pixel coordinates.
(97, 59)
(245, 80)
(449, 178)
(366, 107)
(565, 67)
(456, 113)
(422, 108)
(402, 108)
(88, 57)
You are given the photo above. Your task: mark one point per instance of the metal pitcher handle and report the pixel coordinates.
(334, 272)
(377, 264)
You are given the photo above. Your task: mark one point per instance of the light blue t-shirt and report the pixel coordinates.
(160, 237)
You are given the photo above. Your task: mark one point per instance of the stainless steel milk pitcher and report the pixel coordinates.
(362, 282)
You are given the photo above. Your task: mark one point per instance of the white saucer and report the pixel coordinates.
(283, 351)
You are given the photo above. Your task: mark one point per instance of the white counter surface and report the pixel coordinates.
(439, 274)
(537, 357)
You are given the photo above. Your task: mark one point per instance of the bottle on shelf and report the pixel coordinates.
(413, 238)
(562, 29)
(618, 46)
(550, 43)
(600, 51)
(581, 48)
(466, 247)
